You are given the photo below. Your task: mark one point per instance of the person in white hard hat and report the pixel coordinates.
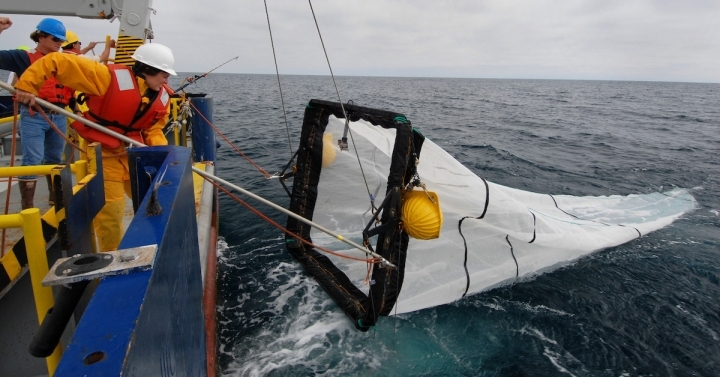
(133, 101)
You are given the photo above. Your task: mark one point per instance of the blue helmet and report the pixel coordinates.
(52, 27)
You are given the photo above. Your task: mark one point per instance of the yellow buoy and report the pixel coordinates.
(328, 156)
(421, 214)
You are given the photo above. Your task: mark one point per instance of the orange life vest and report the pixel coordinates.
(120, 109)
(52, 91)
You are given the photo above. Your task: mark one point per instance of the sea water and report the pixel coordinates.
(646, 308)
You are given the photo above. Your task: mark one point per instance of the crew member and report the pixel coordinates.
(74, 46)
(132, 101)
(41, 144)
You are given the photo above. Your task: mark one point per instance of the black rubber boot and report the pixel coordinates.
(27, 192)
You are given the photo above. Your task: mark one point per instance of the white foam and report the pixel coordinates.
(297, 336)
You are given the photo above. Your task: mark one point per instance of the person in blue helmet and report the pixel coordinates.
(41, 144)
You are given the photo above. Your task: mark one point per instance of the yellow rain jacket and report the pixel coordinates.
(93, 78)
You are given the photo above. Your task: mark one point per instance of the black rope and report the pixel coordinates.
(599, 222)
(487, 200)
(327, 59)
(467, 274)
(284, 176)
(277, 73)
(534, 228)
(636, 229)
(517, 267)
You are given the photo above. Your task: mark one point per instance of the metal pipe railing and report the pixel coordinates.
(14, 171)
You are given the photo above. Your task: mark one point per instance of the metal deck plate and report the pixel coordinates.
(118, 262)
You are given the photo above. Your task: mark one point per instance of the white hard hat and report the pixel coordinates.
(157, 56)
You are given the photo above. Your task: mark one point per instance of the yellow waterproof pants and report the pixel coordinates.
(109, 222)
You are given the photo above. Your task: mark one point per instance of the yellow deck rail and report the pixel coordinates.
(8, 119)
(29, 221)
(179, 134)
(36, 248)
(14, 171)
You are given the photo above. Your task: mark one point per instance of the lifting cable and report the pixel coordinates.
(327, 59)
(277, 74)
(362, 172)
(215, 180)
(12, 163)
(347, 120)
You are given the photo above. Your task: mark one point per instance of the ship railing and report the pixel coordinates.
(6, 125)
(29, 221)
(176, 131)
(155, 301)
(40, 231)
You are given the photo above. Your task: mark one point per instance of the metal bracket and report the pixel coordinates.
(82, 267)
(343, 144)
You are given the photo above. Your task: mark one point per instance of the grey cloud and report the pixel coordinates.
(621, 40)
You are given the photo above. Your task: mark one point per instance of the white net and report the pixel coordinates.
(540, 231)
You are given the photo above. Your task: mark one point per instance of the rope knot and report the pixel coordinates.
(185, 110)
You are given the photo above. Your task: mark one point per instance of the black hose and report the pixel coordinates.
(48, 335)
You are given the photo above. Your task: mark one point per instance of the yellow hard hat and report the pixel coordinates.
(71, 38)
(421, 214)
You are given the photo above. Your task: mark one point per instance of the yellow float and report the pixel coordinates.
(328, 156)
(421, 214)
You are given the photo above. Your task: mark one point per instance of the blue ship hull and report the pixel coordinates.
(149, 323)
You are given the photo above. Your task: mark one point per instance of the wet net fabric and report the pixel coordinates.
(491, 234)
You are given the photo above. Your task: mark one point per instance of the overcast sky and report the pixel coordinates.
(656, 40)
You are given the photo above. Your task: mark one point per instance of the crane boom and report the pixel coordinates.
(80, 8)
(134, 16)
